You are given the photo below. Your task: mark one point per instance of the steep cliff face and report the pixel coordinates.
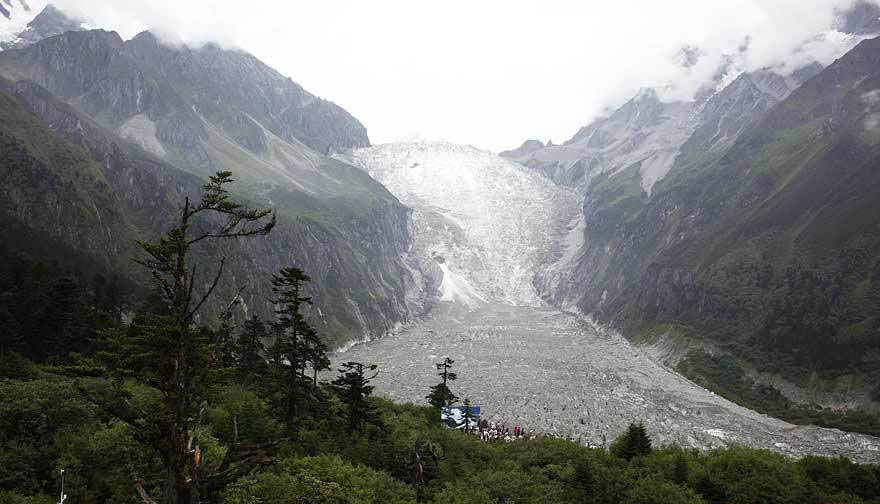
(185, 119)
(184, 92)
(622, 165)
(644, 131)
(223, 83)
(763, 237)
(724, 220)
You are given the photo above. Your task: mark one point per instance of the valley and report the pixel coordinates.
(484, 228)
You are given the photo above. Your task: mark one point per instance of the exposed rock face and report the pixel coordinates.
(14, 18)
(525, 149)
(644, 130)
(700, 213)
(768, 198)
(225, 80)
(206, 110)
(182, 89)
(862, 18)
(617, 162)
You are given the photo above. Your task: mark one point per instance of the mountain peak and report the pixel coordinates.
(527, 147)
(49, 22)
(15, 16)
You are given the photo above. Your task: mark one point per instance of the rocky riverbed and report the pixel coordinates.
(553, 372)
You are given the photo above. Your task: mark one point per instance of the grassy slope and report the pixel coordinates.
(57, 202)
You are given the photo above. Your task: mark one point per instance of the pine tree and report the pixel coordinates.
(643, 441)
(249, 349)
(64, 324)
(353, 387)
(225, 338)
(584, 478)
(680, 470)
(297, 347)
(440, 394)
(635, 442)
(11, 340)
(179, 353)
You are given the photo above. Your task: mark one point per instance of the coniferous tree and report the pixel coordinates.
(225, 338)
(635, 442)
(11, 340)
(643, 441)
(179, 353)
(680, 470)
(353, 387)
(423, 464)
(65, 327)
(297, 347)
(249, 349)
(440, 394)
(584, 480)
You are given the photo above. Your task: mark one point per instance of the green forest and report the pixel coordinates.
(138, 400)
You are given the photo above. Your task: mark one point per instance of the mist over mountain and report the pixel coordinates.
(210, 271)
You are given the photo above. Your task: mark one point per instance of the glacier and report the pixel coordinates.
(491, 225)
(493, 240)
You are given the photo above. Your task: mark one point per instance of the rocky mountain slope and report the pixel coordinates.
(484, 230)
(184, 113)
(648, 132)
(744, 225)
(770, 249)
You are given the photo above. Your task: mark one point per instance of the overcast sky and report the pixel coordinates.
(486, 73)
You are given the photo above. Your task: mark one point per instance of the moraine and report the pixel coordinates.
(485, 232)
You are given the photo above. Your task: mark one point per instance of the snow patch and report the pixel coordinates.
(19, 17)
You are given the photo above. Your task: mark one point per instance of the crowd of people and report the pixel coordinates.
(491, 431)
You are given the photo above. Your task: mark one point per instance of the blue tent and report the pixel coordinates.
(453, 417)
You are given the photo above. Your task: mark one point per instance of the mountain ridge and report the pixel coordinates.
(335, 222)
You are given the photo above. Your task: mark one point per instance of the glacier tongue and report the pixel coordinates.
(492, 225)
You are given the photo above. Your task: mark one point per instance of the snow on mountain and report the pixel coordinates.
(490, 224)
(15, 16)
(644, 131)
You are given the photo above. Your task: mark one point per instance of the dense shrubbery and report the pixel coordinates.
(47, 424)
(724, 376)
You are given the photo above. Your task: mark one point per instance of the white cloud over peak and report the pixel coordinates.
(492, 72)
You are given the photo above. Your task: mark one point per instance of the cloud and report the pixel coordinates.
(493, 72)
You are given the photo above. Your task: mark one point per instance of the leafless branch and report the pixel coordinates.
(210, 290)
(192, 283)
